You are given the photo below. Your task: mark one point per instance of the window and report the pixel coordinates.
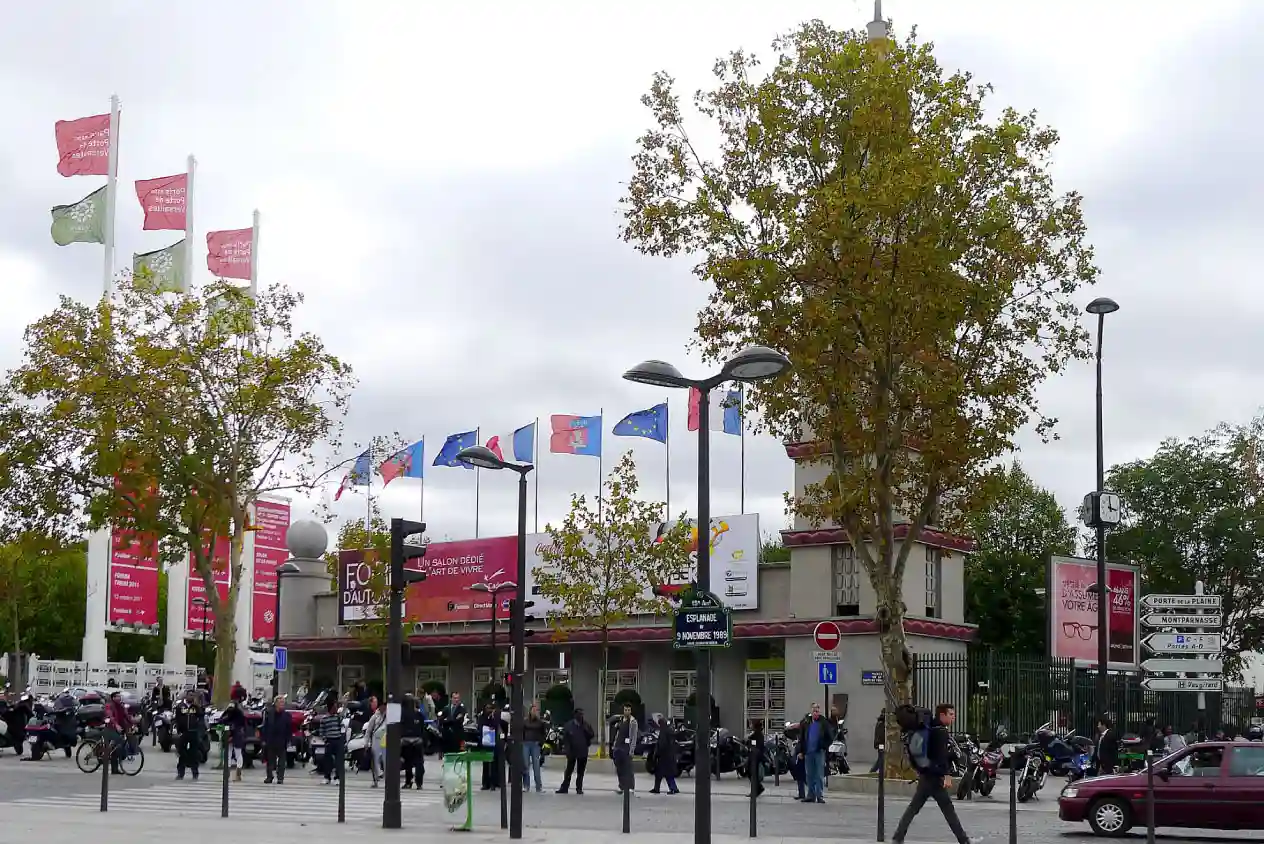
(426, 674)
(547, 678)
(934, 582)
(1200, 763)
(766, 699)
(846, 580)
(680, 685)
(617, 681)
(348, 676)
(1246, 762)
(302, 675)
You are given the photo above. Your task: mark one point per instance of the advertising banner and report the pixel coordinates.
(133, 596)
(1073, 612)
(203, 617)
(272, 518)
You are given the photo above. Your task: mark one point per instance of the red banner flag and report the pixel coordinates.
(83, 146)
(229, 253)
(164, 201)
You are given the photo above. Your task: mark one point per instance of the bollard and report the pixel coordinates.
(342, 782)
(1149, 797)
(627, 811)
(1013, 798)
(223, 800)
(501, 761)
(105, 776)
(776, 767)
(753, 764)
(882, 793)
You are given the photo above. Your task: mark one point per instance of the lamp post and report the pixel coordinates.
(484, 458)
(492, 590)
(204, 604)
(754, 363)
(1103, 510)
(288, 567)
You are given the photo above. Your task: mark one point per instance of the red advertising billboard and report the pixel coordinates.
(272, 520)
(1073, 628)
(452, 568)
(201, 617)
(133, 596)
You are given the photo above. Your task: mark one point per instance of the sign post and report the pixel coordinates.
(1189, 672)
(827, 635)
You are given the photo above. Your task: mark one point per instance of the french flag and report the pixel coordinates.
(518, 446)
(725, 410)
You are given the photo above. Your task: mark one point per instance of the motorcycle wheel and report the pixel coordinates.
(1024, 790)
(965, 786)
(986, 785)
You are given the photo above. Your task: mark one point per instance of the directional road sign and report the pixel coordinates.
(1191, 666)
(827, 672)
(1180, 602)
(1168, 619)
(281, 658)
(1183, 643)
(1177, 684)
(827, 635)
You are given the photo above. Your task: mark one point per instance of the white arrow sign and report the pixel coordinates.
(1180, 602)
(1176, 684)
(1183, 643)
(1174, 620)
(1191, 666)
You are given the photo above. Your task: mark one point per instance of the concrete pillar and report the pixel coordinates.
(243, 669)
(177, 622)
(97, 598)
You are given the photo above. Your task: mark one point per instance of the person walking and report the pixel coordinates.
(490, 737)
(533, 732)
(412, 743)
(578, 737)
(330, 729)
(626, 733)
(665, 758)
(1106, 753)
(278, 729)
(817, 733)
(190, 723)
(234, 722)
(931, 761)
(375, 739)
(1172, 741)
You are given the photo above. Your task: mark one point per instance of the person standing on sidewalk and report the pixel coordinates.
(330, 729)
(533, 730)
(234, 723)
(626, 732)
(190, 724)
(817, 734)
(928, 752)
(578, 737)
(665, 758)
(278, 729)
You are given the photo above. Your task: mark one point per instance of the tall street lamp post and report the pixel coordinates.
(288, 567)
(484, 458)
(1101, 510)
(754, 363)
(204, 604)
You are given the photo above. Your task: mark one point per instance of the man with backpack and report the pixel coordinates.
(927, 743)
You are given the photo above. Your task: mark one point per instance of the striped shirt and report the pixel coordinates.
(330, 727)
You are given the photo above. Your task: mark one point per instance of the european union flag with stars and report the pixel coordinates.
(650, 423)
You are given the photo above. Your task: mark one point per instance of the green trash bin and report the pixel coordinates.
(456, 779)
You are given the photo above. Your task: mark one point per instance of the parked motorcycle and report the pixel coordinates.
(989, 763)
(836, 757)
(684, 749)
(727, 753)
(48, 731)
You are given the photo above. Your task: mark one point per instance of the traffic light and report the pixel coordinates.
(401, 576)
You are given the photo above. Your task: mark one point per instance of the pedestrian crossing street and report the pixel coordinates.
(302, 799)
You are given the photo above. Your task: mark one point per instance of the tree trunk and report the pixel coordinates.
(225, 656)
(601, 693)
(897, 666)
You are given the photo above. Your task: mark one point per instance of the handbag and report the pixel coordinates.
(488, 737)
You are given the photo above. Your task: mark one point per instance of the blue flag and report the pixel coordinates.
(453, 445)
(650, 423)
(358, 475)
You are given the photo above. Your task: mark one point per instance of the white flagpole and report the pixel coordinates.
(254, 256)
(601, 423)
(667, 453)
(535, 458)
(741, 420)
(368, 495)
(111, 192)
(190, 171)
(478, 440)
(421, 514)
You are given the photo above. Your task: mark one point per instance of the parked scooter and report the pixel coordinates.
(836, 757)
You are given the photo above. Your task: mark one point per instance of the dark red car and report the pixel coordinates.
(1210, 785)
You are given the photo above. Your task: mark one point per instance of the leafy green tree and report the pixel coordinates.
(772, 551)
(901, 240)
(171, 416)
(1195, 511)
(1019, 529)
(602, 562)
(42, 586)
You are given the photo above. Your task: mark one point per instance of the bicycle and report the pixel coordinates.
(92, 751)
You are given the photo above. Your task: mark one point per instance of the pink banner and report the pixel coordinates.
(228, 253)
(1073, 632)
(164, 201)
(272, 518)
(83, 146)
(133, 596)
(202, 617)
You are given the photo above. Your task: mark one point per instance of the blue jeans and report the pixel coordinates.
(814, 764)
(531, 762)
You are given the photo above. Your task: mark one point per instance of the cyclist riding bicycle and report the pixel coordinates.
(118, 723)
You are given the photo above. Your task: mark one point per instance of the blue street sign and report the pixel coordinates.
(828, 673)
(280, 658)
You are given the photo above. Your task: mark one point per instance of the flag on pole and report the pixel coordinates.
(359, 475)
(164, 201)
(82, 221)
(406, 463)
(229, 254)
(726, 411)
(519, 446)
(452, 446)
(575, 435)
(164, 267)
(83, 146)
(650, 423)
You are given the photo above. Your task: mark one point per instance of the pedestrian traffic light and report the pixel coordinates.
(401, 552)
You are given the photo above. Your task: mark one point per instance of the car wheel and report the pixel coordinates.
(1110, 817)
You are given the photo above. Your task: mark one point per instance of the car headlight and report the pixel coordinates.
(1070, 791)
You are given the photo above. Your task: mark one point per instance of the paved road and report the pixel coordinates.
(56, 788)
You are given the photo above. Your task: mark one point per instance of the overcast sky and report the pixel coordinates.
(441, 181)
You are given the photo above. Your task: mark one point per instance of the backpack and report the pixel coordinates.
(915, 724)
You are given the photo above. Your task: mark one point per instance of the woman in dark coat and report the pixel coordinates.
(665, 764)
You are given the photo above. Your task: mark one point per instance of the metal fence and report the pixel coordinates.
(991, 687)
